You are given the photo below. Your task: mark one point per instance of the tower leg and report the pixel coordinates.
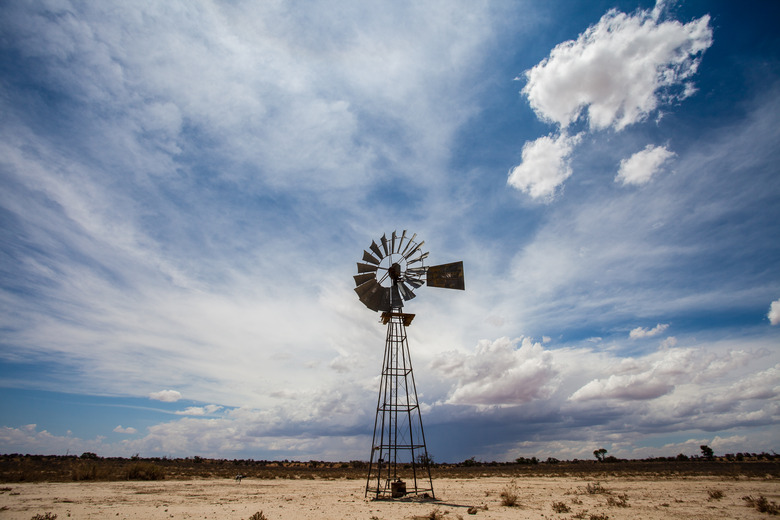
(398, 450)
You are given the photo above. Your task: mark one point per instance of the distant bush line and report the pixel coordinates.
(56, 468)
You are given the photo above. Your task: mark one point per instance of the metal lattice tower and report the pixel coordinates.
(399, 439)
(386, 278)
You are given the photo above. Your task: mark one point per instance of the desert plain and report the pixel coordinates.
(619, 497)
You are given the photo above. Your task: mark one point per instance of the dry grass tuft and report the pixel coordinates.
(596, 489)
(560, 507)
(715, 494)
(509, 495)
(436, 514)
(762, 504)
(618, 501)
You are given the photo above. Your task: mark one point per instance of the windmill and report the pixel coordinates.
(388, 276)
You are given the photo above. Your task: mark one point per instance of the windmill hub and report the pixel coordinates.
(395, 272)
(388, 276)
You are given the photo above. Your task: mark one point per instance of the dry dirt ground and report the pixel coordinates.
(478, 498)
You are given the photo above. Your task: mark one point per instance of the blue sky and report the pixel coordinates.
(186, 187)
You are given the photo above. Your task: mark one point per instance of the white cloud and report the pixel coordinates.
(641, 332)
(774, 312)
(199, 410)
(614, 75)
(640, 167)
(544, 166)
(618, 70)
(129, 430)
(167, 396)
(498, 373)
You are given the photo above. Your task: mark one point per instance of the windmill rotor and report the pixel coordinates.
(391, 270)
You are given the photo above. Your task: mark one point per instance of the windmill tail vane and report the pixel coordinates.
(388, 275)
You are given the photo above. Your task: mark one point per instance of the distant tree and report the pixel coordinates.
(89, 455)
(470, 462)
(599, 454)
(425, 459)
(552, 460)
(706, 452)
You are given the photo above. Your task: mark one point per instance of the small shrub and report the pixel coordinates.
(619, 501)
(596, 489)
(45, 516)
(509, 495)
(560, 507)
(258, 516)
(762, 504)
(715, 494)
(599, 517)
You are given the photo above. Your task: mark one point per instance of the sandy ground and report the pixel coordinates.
(645, 497)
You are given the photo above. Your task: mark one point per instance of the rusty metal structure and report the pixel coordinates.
(388, 276)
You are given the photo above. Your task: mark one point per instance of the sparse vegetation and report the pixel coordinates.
(45, 516)
(599, 517)
(436, 514)
(258, 516)
(596, 489)
(560, 507)
(37, 468)
(715, 494)
(618, 501)
(509, 495)
(145, 471)
(762, 504)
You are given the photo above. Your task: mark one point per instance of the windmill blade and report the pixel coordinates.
(403, 235)
(360, 279)
(417, 271)
(375, 249)
(410, 253)
(384, 243)
(368, 287)
(406, 293)
(366, 268)
(376, 300)
(414, 282)
(418, 259)
(411, 241)
(368, 257)
(393, 300)
(392, 242)
(372, 294)
(447, 276)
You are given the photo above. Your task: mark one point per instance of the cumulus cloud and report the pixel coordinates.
(613, 75)
(659, 374)
(618, 70)
(640, 167)
(545, 165)
(499, 373)
(641, 332)
(774, 312)
(166, 396)
(129, 430)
